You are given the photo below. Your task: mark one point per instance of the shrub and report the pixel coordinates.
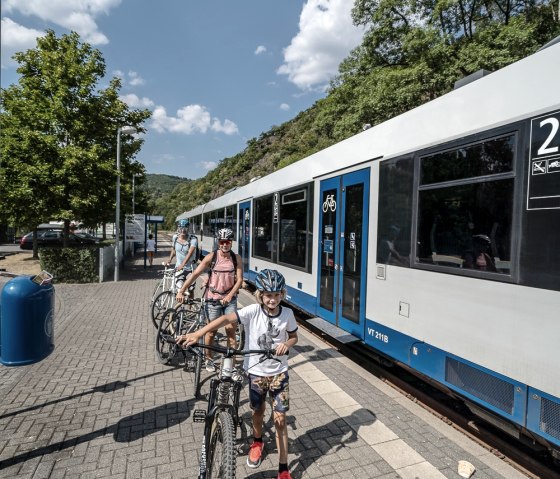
(71, 265)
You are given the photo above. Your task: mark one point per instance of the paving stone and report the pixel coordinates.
(101, 406)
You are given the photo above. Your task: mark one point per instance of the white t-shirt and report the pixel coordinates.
(150, 245)
(265, 332)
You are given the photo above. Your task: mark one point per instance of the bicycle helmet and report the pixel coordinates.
(483, 239)
(224, 234)
(183, 223)
(270, 281)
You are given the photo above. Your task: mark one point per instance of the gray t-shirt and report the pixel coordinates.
(181, 251)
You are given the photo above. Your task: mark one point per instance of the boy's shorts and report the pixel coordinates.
(276, 386)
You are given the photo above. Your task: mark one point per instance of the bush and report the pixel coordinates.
(71, 265)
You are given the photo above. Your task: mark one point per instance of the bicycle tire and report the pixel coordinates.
(161, 304)
(165, 351)
(240, 336)
(157, 290)
(221, 458)
(196, 379)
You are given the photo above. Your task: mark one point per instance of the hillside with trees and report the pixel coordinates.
(413, 52)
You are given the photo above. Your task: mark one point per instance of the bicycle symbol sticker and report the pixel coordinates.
(329, 203)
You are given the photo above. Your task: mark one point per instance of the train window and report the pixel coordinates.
(294, 227)
(396, 181)
(294, 197)
(487, 158)
(262, 227)
(218, 220)
(207, 228)
(231, 220)
(466, 223)
(197, 224)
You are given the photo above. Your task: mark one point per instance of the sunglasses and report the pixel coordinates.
(224, 242)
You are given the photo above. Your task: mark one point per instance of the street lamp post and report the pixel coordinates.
(133, 178)
(122, 129)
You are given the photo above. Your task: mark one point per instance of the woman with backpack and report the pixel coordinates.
(225, 277)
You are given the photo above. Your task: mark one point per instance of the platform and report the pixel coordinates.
(101, 406)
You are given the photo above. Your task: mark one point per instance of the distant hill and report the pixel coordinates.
(159, 185)
(167, 196)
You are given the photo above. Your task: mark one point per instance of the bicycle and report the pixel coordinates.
(221, 418)
(164, 284)
(187, 318)
(165, 299)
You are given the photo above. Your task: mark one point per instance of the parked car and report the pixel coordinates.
(54, 238)
(87, 236)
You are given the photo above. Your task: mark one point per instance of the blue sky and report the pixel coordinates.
(215, 73)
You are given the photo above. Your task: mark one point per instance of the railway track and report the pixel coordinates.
(535, 464)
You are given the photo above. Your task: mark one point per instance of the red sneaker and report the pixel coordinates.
(284, 475)
(254, 458)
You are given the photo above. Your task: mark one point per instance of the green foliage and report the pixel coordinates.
(71, 265)
(159, 185)
(59, 136)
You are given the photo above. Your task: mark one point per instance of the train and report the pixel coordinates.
(433, 239)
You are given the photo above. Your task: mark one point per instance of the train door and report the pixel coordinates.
(344, 214)
(243, 234)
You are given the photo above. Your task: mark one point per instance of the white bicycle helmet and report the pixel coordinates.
(224, 234)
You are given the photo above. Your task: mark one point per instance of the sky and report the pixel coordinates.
(214, 73)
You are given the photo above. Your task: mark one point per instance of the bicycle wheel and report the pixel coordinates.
(161, 304)
(190, 322)
(196, 371)
(165, 351)
(220, 460)
(157, 290)
(240, 336)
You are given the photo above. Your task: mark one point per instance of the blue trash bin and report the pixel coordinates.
(26, 320)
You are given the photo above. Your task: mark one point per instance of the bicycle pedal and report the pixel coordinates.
(199, 415)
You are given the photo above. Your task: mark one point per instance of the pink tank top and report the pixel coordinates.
(222, 277)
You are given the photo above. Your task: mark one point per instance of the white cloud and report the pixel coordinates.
(260, 49)
(16, 38)
(131, 78)
(326, 36)
(76, 15)
(190, 119)
(135, 79)
(228, 127)
(208, 165)
(284, 106)
(134, 101)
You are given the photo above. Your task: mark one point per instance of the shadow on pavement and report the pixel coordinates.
(105, 388)
(127, 429)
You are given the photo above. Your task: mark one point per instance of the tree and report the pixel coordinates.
(59, 136)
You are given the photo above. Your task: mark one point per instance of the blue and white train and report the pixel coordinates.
(433, 238)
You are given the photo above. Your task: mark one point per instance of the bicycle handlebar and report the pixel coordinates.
(227, 352)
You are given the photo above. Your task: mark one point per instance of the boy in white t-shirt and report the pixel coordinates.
(267, 325)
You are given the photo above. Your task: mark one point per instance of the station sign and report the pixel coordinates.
(543, 190)
(135, 228)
